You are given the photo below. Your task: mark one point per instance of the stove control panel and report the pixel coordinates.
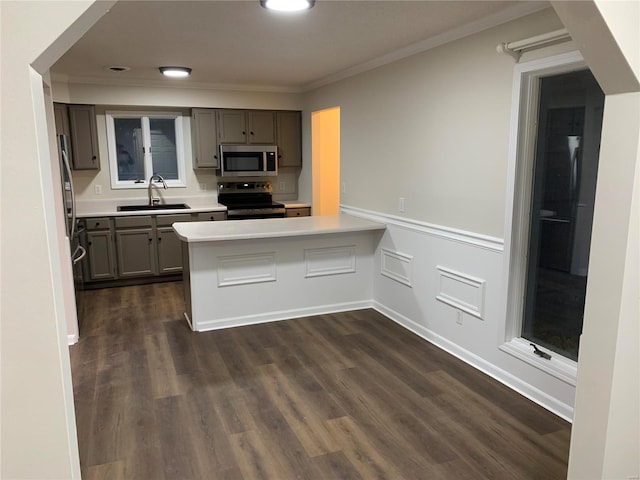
(245, 187)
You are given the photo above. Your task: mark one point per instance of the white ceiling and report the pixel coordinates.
(239, 44)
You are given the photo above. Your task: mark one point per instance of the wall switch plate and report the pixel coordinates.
(343, 187)
(282, 186)
(401, 204)
(203, 186)
(98, 189)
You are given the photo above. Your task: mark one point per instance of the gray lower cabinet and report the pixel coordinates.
(298, 212)
(98, 239)
(209, 216)
(136, 247)
(169, 245)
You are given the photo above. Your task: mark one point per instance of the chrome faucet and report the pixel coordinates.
(155, 200)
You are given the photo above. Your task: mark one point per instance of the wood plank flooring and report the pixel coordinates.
(343, 396)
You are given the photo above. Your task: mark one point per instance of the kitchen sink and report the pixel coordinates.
(161, 206)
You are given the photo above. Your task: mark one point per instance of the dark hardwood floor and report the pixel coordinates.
(342, 396)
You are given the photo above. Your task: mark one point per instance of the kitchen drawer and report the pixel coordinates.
(298, 212)
(168, 220)
(96, 223)
(210, 216)
(137, 221)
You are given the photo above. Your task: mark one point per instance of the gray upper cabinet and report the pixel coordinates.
(246, 127)
(262, 127)
(61, 114)
(204, 133)
(84, 137)
(289, 139)
(232, 126)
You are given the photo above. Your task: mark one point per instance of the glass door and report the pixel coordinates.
(563, 197)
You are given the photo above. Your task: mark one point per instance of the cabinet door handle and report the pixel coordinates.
(244, 133)
(251, 133)
(150, 240)
(89, 243)
(159, 239)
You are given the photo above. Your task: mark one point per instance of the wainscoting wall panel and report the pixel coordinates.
(330, 261)
(461, 291)
(242, 269)
(396, 266)
(453, 271)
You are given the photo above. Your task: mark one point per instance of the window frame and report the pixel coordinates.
(144, 117)
(521, 158)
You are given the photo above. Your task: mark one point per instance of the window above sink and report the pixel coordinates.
(141, 144)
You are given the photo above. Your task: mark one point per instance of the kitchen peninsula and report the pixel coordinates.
(252, 271)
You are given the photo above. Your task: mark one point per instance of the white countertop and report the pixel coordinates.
(293, 204)
(109, 207)
(271, 228)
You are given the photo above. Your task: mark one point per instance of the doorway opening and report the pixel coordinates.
(325, 152)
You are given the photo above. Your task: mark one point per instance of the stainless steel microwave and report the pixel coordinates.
(248, 160)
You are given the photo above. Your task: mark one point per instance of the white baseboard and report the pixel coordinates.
(208, 325)
(532, 393)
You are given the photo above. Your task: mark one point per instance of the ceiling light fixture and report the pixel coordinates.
(175, 72)
(287, 5)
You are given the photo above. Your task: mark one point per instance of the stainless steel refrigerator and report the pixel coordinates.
(78, 252)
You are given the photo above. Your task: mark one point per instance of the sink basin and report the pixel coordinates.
(162, 206)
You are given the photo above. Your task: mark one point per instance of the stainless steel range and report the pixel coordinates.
(245, 200)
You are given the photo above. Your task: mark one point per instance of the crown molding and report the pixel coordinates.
(517, 11)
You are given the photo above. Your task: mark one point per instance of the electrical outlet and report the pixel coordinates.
(282, 186)
(203, 186)
(401, 204)
(458, 317)
(344, 187)
(98, 189)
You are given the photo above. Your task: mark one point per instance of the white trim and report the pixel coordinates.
(207, 325)
(144, 117)
(522, 140)
(164, 83)
(320, 262)
(72, 339)
(517, 11)
(398, 276)
(246, 269)
(461, 236)
(558, 366)
(529, 391)
(450, 298)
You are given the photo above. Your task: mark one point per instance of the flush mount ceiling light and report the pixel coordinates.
(175, 72)
(287, 5)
